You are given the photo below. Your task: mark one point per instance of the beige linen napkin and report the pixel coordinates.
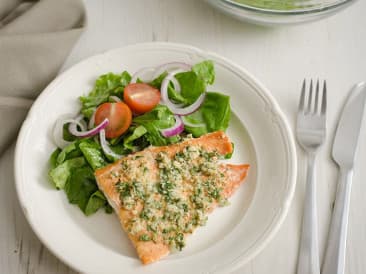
(35, 39)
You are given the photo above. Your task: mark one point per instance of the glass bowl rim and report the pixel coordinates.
(304, 11)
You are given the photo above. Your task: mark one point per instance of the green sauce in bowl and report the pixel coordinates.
(280, 12)
(275, 4)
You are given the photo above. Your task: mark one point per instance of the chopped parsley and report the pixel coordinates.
(188, 185)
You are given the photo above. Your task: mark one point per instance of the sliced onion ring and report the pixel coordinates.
(115, 98)
(189, 109)
(169, 66)
(58, 130)
(189, 124)
(175, 67)
(176, 84)
(142, 72)
(174, 130)
(74, 131)
(106, 149)
(170, 78)
(92, 120)
(82, 124)
(177, 108)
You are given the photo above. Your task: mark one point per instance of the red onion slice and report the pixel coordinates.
(106, 149)
(82, 124)
(168, 67)
(175, 84)
(140, 73)
(74, 131)
(115, 98)
(189, 124)
(92, 120)
(58, 130)
(165, 84)
(177, 108)
(159, 70)
(174, 130)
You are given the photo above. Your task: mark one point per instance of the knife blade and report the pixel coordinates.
(348, 130)
(344, 152)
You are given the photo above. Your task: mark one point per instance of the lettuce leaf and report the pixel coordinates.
(72, 168)
(81, 189)
(205, 71)
(136, 134)
(154, 121)
(96, 200)
(93, 154)
(69, 152)
(80, 186)
(105, 86)
(60, 174)
(53, 158)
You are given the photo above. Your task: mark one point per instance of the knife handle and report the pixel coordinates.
(335, 255)
(308, 262)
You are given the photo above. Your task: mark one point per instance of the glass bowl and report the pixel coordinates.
(280, 12)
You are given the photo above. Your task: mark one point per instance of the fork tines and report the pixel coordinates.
(312, 105)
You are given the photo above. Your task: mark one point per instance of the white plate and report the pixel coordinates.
(232, 236)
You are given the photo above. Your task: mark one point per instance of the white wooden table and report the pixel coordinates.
(333, 49)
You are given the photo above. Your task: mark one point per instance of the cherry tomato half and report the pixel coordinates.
(141, 97)
(119, 115)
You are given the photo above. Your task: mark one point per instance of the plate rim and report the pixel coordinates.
(268, 233)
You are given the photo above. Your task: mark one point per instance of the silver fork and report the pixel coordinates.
(310, 131)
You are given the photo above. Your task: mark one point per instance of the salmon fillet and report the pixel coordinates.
(162, 194)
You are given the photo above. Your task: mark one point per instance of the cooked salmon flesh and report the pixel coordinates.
(162, 194)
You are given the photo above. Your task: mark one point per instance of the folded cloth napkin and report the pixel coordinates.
(35, 39)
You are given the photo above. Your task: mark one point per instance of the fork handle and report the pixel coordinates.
(308, 262)
(335, 256)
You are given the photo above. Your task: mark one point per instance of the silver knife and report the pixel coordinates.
(344, 151)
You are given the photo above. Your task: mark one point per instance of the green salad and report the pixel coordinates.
(125, 113)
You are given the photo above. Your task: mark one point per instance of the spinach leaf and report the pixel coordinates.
(136, 133)
(72, 167)
(193, 83)
(176, 97)
(118, 149)
(108, 209)
(205, 71)
(191, 87)
(60, 174)
(196, 118)
(173, 95)
(154, 121)
(214, 114)
(92, 153)
(105, 86)
(216, 111)
(96, 201)
(80, 187)
(157, 81)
